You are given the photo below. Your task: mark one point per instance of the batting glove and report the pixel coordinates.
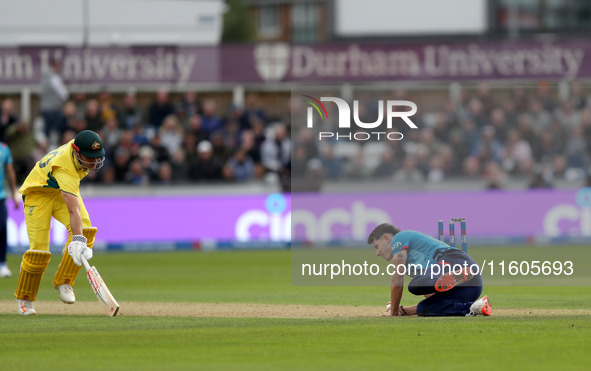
(77, 248)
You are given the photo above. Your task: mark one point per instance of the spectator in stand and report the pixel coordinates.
(521, 99)
(165, 174)
(441, 130)
(540, 179)
(171, 134)
(188, 107)
(333, 166)
(161, 153)
(160, 109)
(107, 106)
(136, 174)
(149, 164)
(576, 149)
(299, 164)
(511, 113)
(220, 151)
(488, 148)
(111, 134)
(469, 132)
(209, 120)
(248, 144)
(195, 128)
(206, 167)
(461, 150)
(517, 154)
(568, 117)
(276, 150)
(540, 118)
(7, 118)
(92, 116)
(559, 167)
(231, 133)
(545, 96)
(138, 134)
(239, 167)
(409, 172)
(386, 167)
(71, 121)
(180, 167)
(436, 173)
(527, 133)
(258, 130)
(577, 98)
(130, 114)
(485, 97)
(79, 101)
(494, 176)
(476, 113)
(121, 160)
(560, 134)
(499, 122)
(471, 167)
(252, 111)
(53, 95)
(190, 148)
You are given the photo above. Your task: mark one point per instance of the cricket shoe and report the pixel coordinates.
(451, 279)
(480, 307)
(4, 271)
(67, 294)
(25, 308)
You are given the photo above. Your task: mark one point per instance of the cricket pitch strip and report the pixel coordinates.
(249, 310)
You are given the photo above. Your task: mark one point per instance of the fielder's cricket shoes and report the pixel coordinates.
(25, 308)
(67, 294)
(480, 307)
(451, 279)
(4, 271)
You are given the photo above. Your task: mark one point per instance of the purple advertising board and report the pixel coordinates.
(489, 214)
(196, 221)
(282, 62)
(137, 65)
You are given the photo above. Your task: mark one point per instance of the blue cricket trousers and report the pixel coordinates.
(455, 302)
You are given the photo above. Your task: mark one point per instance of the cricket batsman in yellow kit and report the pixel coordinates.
(52, 189)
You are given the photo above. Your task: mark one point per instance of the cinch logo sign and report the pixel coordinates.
(344, 118)
(277, 221)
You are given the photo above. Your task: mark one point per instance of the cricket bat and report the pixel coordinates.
(100, 289)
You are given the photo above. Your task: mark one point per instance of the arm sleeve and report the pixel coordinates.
(8, 157)
(399, 243)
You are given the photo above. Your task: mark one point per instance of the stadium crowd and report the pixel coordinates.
(164, 142)
(522, 133)
(529, 133)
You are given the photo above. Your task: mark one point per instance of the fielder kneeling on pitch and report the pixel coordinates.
(446, 276)
(52, 189)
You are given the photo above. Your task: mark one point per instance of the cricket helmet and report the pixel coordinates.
(89, 144)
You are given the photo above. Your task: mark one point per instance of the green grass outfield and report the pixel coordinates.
(54, 342)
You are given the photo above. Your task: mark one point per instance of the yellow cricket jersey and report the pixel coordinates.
(59, 169)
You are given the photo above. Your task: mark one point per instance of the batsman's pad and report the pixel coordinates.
(32, 268)
(90, 234)
(68, 270)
